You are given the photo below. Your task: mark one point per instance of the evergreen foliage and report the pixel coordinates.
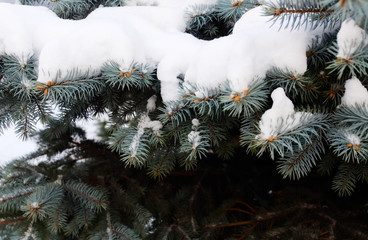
(76, 188)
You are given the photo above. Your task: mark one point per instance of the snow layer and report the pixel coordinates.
(349, 38)
(153, 35)
(18, 27)
(279, 117)
(182, 4)
(9, 1)
(355, 93)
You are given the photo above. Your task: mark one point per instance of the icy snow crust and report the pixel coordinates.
(153, 35)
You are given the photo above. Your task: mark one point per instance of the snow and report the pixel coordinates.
(9, 1)
(133, 148)
(154, 35)
(147, 123)
(182, 4)
(260, 47)
(18, 24)
(349, 38)
(151, 103)
(195, 122)
(29, 233)
(279, 117)
(353, 139)
(144, 123)
(59, 179)
(164, 17)
(194, 136)
(254, 48)
(141, 2)
(77, 51)
(355, 93)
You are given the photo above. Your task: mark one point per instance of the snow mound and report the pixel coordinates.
(349, 38)
(279, 117)
(355, 93)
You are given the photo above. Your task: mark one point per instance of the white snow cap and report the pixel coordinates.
(353, 139)
(151, 103)
(355, 93)
(280, 116)
(194, 138)
(195, 122)
(145, 122)
(18, 25)
(349, 37)
(154, 35)
(254, 48)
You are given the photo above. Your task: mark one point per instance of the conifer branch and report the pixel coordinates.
(183, 233)
(57, 224)
(191, 202)
(15, 197)
(297, 14)
(43, 114)
(136, 209)
(279, 11)
(15, 220)
(224, 82)
(120, 234)
(83, 195)
(85, 216)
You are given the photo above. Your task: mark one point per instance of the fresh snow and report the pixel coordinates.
(194, 136)
(151, 103)
(29, 234)
(8, 1)
(153, 35)
(182, 4)
(279, 117)
(355, 93)
(144, 123)
(353, 139)
(195, 123)
(349, 38)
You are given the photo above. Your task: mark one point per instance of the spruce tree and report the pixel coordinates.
(191, 91)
